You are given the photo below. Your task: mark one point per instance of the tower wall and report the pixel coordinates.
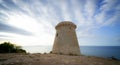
(66, 40)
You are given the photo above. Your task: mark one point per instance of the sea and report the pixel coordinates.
(98, 51)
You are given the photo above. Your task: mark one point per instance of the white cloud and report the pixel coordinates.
(24, 22)
(40, 18)
(109, 5)
(1, 1)
(90, 8)
(77, 12)
(65, 10)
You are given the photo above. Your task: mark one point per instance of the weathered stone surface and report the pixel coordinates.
(66, 40)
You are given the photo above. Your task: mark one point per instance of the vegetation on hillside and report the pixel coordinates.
(7, 47)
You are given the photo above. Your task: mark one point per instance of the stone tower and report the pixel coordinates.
(66, 40)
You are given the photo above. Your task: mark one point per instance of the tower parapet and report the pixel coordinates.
(65, 23)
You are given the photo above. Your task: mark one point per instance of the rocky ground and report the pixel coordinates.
(53, 59)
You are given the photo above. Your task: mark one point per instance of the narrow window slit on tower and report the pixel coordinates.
(70, 28)
(57, 34)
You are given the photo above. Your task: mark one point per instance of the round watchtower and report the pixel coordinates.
(66, 40)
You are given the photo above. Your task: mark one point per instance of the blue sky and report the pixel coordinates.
(32, 22)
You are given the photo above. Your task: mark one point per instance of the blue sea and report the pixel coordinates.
(99, 51)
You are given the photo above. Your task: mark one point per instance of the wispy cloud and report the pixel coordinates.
(41, 16)
(11, 29)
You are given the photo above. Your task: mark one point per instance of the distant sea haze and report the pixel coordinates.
(99, 51)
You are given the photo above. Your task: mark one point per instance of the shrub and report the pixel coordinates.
(50, 52)
(61, 53)
(71, 54)
(7, 47)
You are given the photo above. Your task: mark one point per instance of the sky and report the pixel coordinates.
(32, 22)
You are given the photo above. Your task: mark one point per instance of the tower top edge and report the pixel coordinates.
(63, 23)
(66, 22)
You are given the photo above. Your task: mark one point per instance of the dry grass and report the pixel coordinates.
(53, 59)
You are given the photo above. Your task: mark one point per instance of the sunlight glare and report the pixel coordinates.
(25, 22)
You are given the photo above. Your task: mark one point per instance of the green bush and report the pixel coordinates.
(7, 47)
